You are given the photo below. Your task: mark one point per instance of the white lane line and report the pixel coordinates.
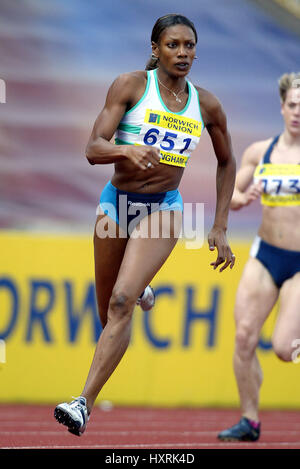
(137, 432)
(161, 446)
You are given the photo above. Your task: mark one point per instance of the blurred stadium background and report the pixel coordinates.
(57, 61)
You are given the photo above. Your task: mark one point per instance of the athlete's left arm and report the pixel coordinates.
(216, 124)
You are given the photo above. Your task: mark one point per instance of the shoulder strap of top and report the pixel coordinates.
(195, 96)
(267, 155)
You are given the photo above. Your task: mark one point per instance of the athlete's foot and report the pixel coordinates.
(244, 430)
(73, 415)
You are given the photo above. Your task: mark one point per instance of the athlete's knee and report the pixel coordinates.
(245, 341)
(283, 350)
(121, 305)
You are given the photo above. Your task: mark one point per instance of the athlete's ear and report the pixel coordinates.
(155, 50)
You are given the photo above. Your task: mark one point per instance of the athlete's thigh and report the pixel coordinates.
(256, 296)
(108, 256)
(287, 328)
(145, 253)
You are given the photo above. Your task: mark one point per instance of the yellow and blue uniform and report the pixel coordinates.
(281, 182)
(175, 134)
(281, 187)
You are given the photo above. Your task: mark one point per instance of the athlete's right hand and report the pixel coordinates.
(253, 192)
(242, 199)
(141, 156)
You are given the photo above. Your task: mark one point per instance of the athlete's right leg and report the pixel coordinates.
(143, 257)
(255, 298)
(108, 255)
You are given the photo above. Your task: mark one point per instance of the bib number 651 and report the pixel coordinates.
(167, 143)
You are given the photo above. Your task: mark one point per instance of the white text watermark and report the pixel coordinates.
(2, 91)
(2, 352)
(296, 352)
(152, 220)
(296, 85)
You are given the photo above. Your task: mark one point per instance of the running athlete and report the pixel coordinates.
(273, 269)
(157, 117)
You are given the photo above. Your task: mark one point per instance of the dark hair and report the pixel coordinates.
(163, 23)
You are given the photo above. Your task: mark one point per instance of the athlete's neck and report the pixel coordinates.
(173, 83)
(289, 140)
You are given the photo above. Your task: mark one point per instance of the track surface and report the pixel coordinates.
(142, 428)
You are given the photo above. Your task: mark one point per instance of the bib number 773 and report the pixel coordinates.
(293, 184)
(168, 141)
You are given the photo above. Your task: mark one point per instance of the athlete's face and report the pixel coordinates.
(290, 109)
(176, 49)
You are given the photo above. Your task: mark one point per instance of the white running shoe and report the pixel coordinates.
(147, 299)
(74, 415)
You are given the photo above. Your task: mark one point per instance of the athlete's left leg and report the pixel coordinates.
(286, 336)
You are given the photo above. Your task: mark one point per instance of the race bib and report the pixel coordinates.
(281, 184)
(175, 136)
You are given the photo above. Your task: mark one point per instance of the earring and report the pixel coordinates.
(153, 57)
(195, 57)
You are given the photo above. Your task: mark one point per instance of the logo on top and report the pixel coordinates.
(154, 118)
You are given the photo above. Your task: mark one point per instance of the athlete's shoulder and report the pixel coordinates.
(207, 99)
(127, 86)
(211, 107)
(131, 78)
(255, 151)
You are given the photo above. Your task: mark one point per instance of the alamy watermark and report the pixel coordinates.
(164, 221)
(296, 85)
(2, 352)
(2, 91)
(296, 353)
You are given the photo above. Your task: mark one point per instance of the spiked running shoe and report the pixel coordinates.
(147, 299)
(73, 415)
(242, 431)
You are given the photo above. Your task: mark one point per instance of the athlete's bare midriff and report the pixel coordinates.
(162, 178)
(281, 227)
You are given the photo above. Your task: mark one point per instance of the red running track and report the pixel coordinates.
(34, 427)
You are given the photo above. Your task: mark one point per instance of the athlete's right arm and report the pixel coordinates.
(122, 93)
(244, 192)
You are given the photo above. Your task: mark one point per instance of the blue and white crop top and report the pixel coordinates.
(150, 122)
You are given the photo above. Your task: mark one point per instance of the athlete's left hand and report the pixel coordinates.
(217, 239)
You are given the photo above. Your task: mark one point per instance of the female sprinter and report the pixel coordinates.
(149, 159)
(273, 270)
